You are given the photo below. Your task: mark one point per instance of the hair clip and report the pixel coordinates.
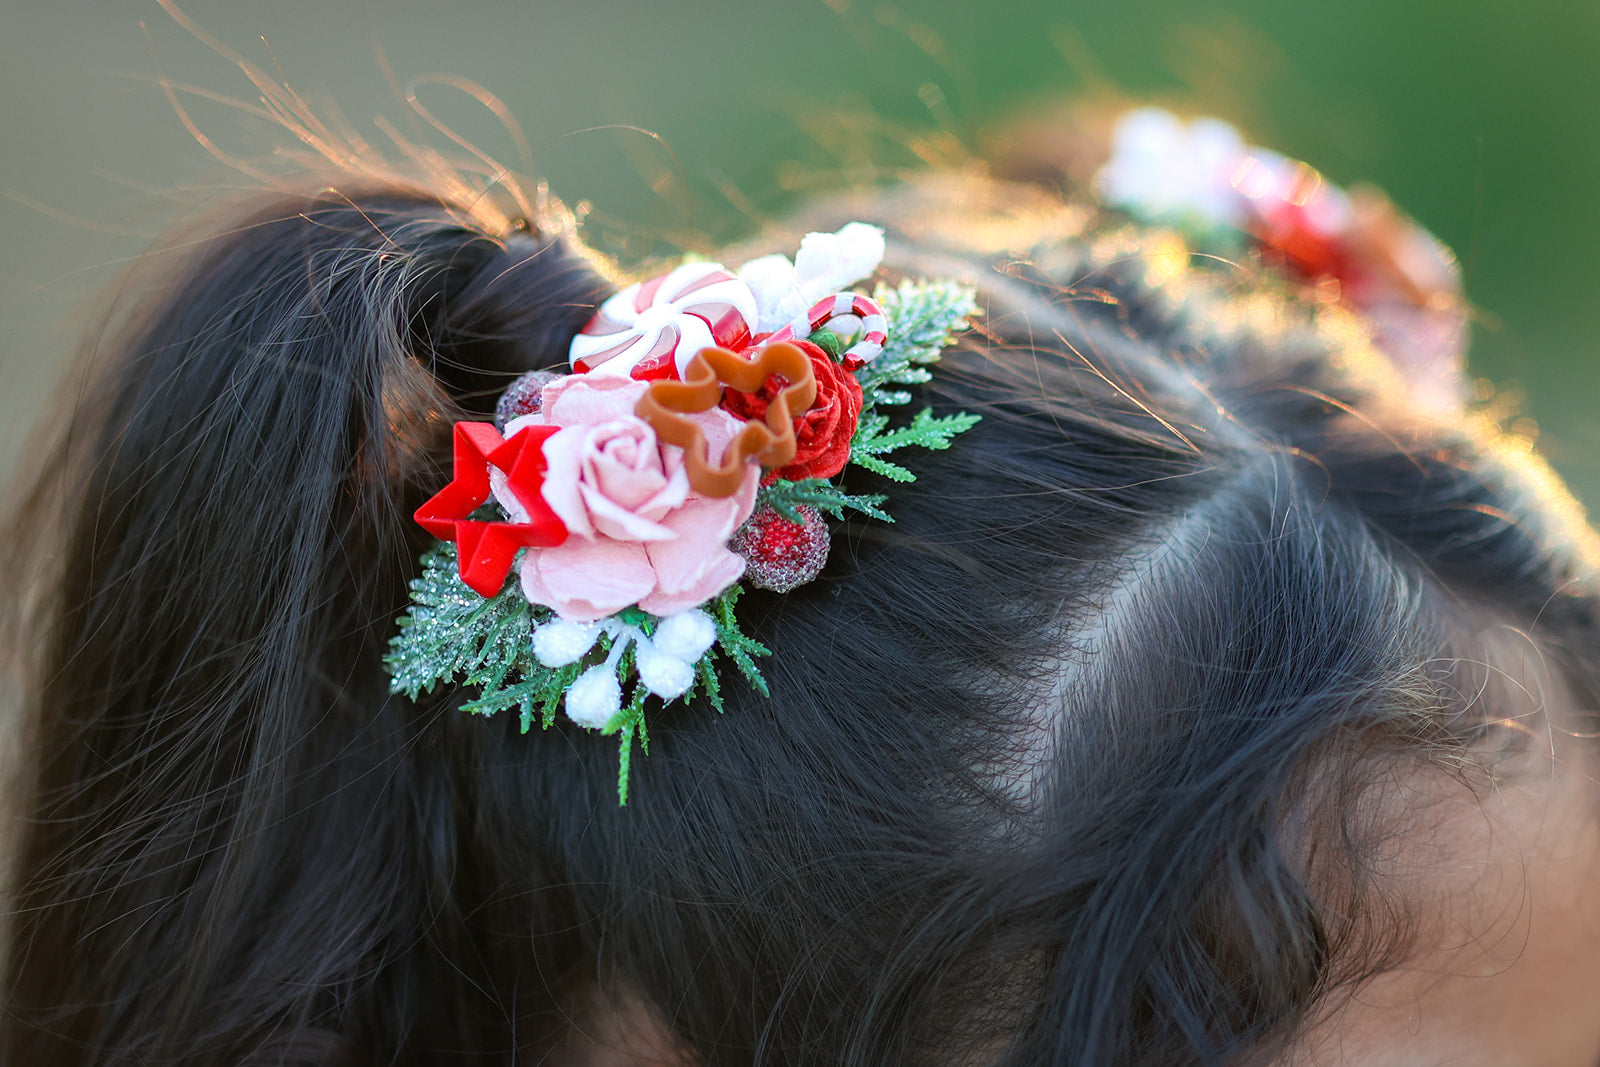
(1203, 179)
(692, 452)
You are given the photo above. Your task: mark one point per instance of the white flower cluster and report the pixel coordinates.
(1201, 174)
(825, 263)
(1183, 172)
(664, 660)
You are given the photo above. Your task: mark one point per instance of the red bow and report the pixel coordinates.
(488, 548)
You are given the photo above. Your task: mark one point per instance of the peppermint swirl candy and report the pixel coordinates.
(652, 329)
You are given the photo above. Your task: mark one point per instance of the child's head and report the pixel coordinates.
(1208, 677)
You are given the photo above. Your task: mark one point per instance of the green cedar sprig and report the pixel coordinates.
(786, 497)
(927, 316)
(735, 644)
(873, 438)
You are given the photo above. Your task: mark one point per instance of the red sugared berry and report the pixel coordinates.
(780, 554)
(522, 397)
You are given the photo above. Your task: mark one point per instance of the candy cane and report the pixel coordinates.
(874, 326)
(653, 328)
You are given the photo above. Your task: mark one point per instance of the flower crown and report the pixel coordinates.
(693, 451)
(1203, 179)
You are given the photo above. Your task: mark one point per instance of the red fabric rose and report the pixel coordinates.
(821, 435)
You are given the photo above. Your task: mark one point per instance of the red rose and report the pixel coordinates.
(821, 435)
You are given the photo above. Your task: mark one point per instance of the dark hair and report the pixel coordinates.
(1072, 764)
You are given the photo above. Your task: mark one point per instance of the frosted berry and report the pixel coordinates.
(780, 554)
(665, 675)
(595, 698)
(522, 397)
(686, 635)
(559, 642)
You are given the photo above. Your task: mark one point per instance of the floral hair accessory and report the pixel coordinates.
(1201, 177)
(693, 451)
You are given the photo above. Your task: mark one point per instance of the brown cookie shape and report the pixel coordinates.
(771, 443)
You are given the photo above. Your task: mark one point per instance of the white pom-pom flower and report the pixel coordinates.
(778, 301)
(595, 698)
(664, 674)
(686, 635)
(824, 264)
(828, 262)
(559, 642)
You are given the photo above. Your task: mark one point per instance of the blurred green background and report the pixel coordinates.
(1479, 118)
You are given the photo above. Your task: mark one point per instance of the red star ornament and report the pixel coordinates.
(487, 549)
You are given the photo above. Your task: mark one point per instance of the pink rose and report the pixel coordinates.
(638, 533)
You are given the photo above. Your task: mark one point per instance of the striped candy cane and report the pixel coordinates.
(874, 326)
(653, 328)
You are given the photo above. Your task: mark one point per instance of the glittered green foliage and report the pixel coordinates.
(453, 635)
(925, 317)
(451, 631)
(819, 493)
